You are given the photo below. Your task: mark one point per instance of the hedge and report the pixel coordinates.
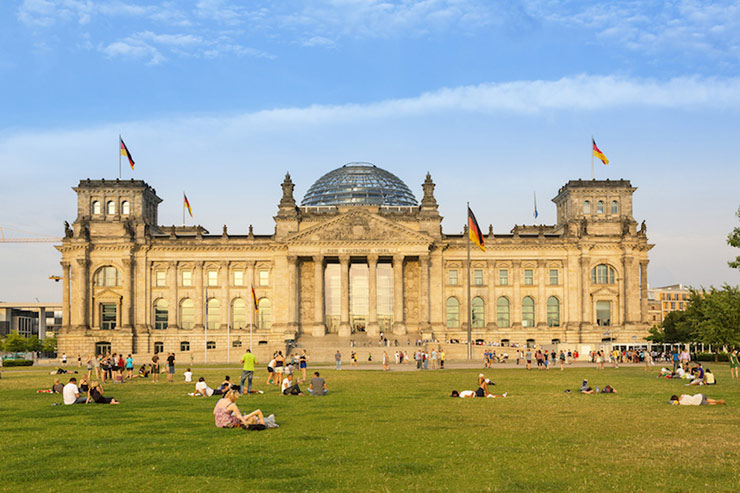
(710, 357)
(17, 362)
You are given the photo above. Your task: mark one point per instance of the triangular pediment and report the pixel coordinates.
(606, 291)
(107, 294)
(360, 226)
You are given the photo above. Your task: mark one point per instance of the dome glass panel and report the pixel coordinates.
(359, 184)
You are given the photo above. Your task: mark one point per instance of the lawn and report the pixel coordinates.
(378, 431)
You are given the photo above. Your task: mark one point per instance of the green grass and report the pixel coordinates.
(378, 431)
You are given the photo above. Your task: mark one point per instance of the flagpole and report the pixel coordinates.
(205, 347)
(535, 207)
(228, 324)
(251, 323)
(119, 156)
(470, 318)
(592, 158)
(183, 208)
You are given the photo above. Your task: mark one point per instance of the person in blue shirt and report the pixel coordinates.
(129, 367)
(674, 356)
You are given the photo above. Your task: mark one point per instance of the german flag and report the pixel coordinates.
(186, 204)
(124, 152)
(254, 298)
(597, 152)
(474, 231)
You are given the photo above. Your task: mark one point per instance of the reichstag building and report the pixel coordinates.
(360, 255)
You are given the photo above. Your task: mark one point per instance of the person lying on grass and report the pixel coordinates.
(95, 394)
(227, 415)
(202, 389)
(695, 400)
(469, 394)
(56, 388)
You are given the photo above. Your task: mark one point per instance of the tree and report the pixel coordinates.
(34, 344)
(15, 343)
(50, 345)
(720, 324)
(733, 239)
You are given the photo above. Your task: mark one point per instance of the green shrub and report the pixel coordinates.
(710, 357)
(17, 362)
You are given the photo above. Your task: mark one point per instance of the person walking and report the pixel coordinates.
(338, 359)
(130, 367)
(155, 368)
(170, 367)
(734, 364)
(442, 360)
(248, 362)
(303, 364)
(528, 357)
(385, 361)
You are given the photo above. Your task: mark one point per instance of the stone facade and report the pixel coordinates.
(136, 286)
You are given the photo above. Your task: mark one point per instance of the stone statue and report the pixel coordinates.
(67, 230)
(625, 227)
(225, 233)
(643, 228)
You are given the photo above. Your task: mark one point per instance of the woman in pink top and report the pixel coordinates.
(227, 414)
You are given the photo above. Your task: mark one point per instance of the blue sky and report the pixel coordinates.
(221, 98)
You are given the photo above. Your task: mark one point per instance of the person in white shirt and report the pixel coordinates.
(290, 388)
(469, 394)
(201, 388)
(188, 375)
(695, 400)
(71, 393)
(271, 372)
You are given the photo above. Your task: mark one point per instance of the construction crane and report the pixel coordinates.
(36, 238)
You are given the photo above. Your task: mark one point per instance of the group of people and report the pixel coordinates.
(84, 394)
(481, 391)
(697, 374)
(279, 366)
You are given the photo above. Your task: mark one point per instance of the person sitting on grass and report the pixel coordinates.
(227, 415)
(188, 375)
(317, 385)
(290, 388)
(84, 385)
(482, 390)
(143, 372)
(469, 394)
(608, 389)
(71, 394)
(56, 388)
(202, 389)
(698, 373)
(585, 388)
(695, 400)
(95, 394)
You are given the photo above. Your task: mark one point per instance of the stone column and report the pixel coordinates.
(42, 323)
(319, 327)
(624, 295)
(399, 327)
(643, 291)
(66, 272)
(541, 310)
(372, 328)
(344, 327)
(83, 293)
(491, 322)
(173, 307)
(293, 295)
(224, 283)
(127, 298)
(586, 309)
(424, 324)
(515, 308)
(199, 300)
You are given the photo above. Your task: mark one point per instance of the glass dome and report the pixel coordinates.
(359, 184)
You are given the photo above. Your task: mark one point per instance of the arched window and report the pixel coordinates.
(527, 312)
(187, 314)
(553, 312)
(615, 207)
(96, 208)
(107, 276)
(600, 207)
(161, 314)
(502, 312)
(111, 208)
(264, 320)
(602, 274)
(453, 312)
(214, 313)
(479, 313)
(125, 208)
(239, 313)
(586, 207)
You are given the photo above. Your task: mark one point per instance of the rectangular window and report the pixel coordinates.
(554, 277)
(185, 346)
(680, 305)
(264, 278)
(528, 277)
(211, 345)
(187, 278)
(159, 347)
(503, 277)
(452, 278)
(478, 277)
(236, 344)
(603, 313)
(238, 278)
(213, 278)
(161, 278)
(673, 305)
(108, 316)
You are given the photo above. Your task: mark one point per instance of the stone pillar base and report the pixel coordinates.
(399, 328)
(372, 329)
(344, 330)
(318, 330)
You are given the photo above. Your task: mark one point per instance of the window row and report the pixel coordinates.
(528, 278)
(600, 207)
(237, 278)
(503, 312)
(239, 314)
(110, 208)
